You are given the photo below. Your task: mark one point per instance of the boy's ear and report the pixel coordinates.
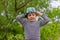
(26, 15)
(37, 14)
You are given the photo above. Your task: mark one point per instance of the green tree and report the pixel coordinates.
(11, 29)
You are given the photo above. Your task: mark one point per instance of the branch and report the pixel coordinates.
(5, 3)
(15, 5)
(23, 4)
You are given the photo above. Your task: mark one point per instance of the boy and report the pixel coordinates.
(31, 26)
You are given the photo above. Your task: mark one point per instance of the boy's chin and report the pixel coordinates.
(32, 20)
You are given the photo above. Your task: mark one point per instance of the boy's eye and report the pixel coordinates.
(29, 15)
(33, 14)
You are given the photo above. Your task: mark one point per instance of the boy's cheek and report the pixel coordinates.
(31, 18)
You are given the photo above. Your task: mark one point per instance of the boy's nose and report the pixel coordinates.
(31, 16)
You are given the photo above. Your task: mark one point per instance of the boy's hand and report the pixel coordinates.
(39, 14)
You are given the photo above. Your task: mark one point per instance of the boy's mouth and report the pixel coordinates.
(32, 19)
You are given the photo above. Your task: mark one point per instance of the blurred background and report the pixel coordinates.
(11, 29)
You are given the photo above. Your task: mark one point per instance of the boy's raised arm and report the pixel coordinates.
(44, 20)
(21, 18)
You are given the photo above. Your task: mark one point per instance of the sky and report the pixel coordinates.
(55, 4)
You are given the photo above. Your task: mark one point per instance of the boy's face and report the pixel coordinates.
(31, 16)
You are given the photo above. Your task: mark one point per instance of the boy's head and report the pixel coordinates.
(31, 14)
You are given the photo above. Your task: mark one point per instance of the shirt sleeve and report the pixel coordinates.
(21, 18)
(44, 20)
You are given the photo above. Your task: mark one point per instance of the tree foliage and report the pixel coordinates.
(11, 29)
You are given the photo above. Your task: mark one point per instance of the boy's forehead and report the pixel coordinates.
(32, 13)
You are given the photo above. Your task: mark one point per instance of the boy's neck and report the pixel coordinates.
(31, 20)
